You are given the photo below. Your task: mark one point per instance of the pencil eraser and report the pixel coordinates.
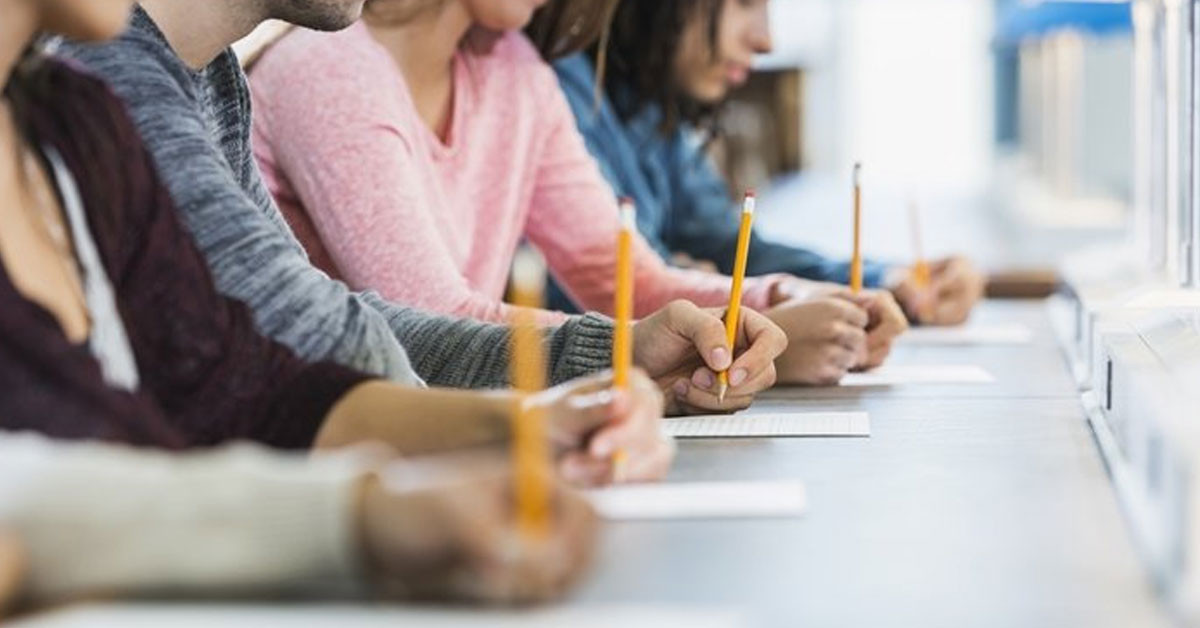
(749, 193)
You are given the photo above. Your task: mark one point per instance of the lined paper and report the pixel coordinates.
(770, 424)
(708, 500)
(967, 335)
(903, 374)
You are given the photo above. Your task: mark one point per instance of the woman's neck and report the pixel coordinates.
(424, 48)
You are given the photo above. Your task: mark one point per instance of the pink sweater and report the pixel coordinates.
(382, 203)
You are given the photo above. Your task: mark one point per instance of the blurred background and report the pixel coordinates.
(1008, 123)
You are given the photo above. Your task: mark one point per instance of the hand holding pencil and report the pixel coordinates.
(732, 320)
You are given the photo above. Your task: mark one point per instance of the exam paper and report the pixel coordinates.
(767, 424)
(1010, 334)
(709, 500)
(200, 615)
(902, 374)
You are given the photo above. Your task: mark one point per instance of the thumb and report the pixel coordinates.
(705, 331)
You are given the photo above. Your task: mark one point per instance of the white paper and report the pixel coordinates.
(1010, 334)
(770, 424)
(200, 615)
(902, 374)
(708, 500)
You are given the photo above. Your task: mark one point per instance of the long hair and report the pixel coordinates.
(563, 27)
(58, 106)
(46, 108)
(640, 58)
(26, 88)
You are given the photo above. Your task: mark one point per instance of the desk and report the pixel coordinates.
(984, 507)
(968, 506)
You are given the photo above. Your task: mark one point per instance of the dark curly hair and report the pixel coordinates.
(640, 58)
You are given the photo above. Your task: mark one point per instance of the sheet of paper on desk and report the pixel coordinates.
(1010, 334)
(770, 424)
(706, 500)
(200, 615)
(905, 374)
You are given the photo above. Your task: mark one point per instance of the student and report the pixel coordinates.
(105, 520)
(189, 98)
(414, 150)
(669, 67)
(111, 328)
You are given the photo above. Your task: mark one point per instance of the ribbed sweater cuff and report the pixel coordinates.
(582, 346)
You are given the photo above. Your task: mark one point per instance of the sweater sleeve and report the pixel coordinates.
(355, 172)
(574, 222)
(106, 519)
(199, 352)
(252, 256)
(471, 354)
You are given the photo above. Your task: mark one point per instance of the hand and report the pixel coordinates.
(826, 338)
(588, 421)
(954, 289)
(454, 539)
(683, 260)
(885, 322)
(796, 289)
(12, 567)
(682, 347)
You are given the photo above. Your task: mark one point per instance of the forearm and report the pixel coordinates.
(112, 520)
(463, 353)
(417, 421)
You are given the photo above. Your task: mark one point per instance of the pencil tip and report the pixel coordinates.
(722, 388)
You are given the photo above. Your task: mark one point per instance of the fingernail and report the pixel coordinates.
(681, 388)
(720, 357)
(737, 377)
(702, 379)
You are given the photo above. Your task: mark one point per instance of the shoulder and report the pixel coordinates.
(137, 60)
(70, 96)
(305, 57)
(514, 61)
(576, 74)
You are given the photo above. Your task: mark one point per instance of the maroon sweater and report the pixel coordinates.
(207, 375)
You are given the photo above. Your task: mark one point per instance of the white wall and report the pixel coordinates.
(903, 85)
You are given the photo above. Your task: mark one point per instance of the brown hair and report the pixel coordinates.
(564, 27)
(640, 60)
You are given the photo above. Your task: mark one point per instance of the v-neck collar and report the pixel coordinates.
(460, 104)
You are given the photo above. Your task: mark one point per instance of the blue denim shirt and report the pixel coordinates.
(683, 204)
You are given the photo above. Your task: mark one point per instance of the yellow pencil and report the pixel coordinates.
(530, 451)
(623, 310)
(921, 273)
(856, 263)
(735, 294)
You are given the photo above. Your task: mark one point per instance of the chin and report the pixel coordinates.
(513, 19)
(711, 95)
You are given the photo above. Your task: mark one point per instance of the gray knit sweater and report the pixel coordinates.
(197, 127)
